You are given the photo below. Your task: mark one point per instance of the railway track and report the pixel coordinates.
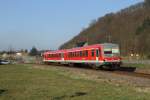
(134, 74)
(123, 75)
(126, 71)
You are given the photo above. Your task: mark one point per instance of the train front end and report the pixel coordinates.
(111, 55)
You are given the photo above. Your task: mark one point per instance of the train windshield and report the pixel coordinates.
(111, 50)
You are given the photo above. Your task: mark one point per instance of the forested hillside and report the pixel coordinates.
(130, 28)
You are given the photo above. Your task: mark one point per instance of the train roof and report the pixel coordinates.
(55, 51)
(80, 48)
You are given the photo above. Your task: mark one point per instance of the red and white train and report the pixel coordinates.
(98, 55)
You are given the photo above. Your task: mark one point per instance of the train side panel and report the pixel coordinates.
(100, 54)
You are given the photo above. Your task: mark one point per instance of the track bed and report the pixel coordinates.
(123, 75)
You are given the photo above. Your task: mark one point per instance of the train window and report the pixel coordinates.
(69, 54)
(92, 53)
(76, 54)
(80, 53)
(86, 53)
(97, 53)
(72, 54)
(108, 52)
(62, 55)
(83, 53)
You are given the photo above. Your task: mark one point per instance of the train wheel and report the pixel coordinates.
(71, 65)
(94, 67)
(106, 67)
(116, 67)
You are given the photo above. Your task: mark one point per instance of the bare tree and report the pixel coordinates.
(147, 2)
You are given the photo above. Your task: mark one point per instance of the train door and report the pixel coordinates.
(62, 56)
(93, 54)
(97, 54)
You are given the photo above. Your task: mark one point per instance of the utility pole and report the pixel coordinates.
(109, 37)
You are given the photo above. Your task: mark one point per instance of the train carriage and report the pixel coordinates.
(98, 55)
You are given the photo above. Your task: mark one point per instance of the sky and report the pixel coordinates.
(46, 24)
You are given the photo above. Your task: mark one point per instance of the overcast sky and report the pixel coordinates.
(46, 24)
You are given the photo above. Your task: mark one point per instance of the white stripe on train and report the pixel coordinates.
(80, 61)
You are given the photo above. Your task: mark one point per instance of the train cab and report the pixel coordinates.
(111, 54)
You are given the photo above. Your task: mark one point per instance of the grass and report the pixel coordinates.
(23, 82)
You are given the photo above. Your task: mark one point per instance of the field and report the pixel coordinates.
(34, 82)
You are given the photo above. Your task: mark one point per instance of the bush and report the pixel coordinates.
(148, 56)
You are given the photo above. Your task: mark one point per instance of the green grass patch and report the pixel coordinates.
(22, 82)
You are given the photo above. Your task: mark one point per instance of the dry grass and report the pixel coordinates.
(23, 82)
